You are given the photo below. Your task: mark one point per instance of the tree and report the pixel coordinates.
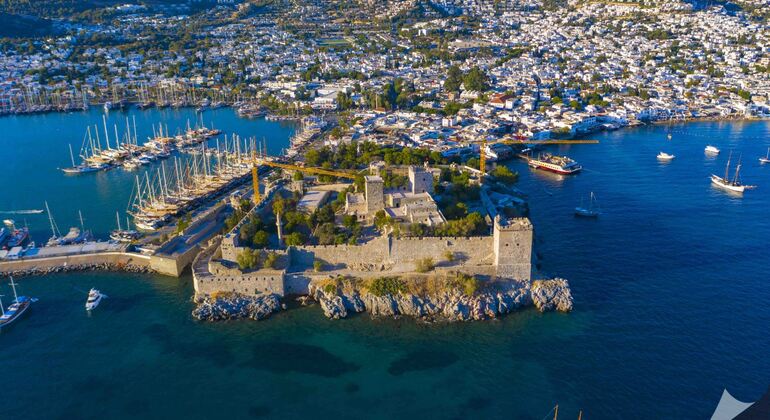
(454, 79)
(476, 80)
(260, 239)
(248, 259)
(294, 239)
(505, 175)
(271, 260)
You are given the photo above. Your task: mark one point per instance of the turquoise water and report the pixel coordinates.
(36, 146)
(670, 308)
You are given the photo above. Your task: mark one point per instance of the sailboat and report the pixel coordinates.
(725, 183)
(765, 159)
(591, 211)
(16, 309)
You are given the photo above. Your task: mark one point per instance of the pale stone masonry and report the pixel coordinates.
(504, 255)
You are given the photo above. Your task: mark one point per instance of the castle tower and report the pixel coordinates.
(513, 248)
(375, 198)
(420, 180)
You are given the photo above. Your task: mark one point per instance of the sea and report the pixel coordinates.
(670, 287)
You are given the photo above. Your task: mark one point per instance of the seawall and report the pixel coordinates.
(112, 259)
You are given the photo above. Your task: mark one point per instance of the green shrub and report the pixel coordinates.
(423, 265)
(449, 255)
(271, 260)
(318, 266)
(248, 259)
(382, 286)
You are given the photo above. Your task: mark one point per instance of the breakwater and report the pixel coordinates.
(107, 261)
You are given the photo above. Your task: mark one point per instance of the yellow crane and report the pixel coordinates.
(304, 169)
(483, 156)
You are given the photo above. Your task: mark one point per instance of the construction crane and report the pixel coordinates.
(309, 170)
(483, 156)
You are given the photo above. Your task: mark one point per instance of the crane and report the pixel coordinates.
(483, 157)
(310, 170)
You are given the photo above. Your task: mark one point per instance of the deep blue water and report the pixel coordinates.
(670, 308)
(36, 146)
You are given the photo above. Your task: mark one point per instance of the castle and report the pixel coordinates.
(506, 254)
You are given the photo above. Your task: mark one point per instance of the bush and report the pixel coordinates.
(382, 286)
(271, 261)
(469, 285)
(318, 266)
(248, 259)
(449, 256)
(424, 265)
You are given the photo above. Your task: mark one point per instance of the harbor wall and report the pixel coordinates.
(110, 258)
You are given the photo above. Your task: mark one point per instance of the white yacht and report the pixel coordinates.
(711, 150)
(94, 298)
(665, 156)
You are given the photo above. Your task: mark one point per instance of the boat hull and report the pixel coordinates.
(19, 312)
(720, 183)
(554, 169)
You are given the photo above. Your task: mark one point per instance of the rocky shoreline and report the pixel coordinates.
(41, 271)
(234, 306)
(451, 305)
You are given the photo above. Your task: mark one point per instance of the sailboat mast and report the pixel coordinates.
(117, 218)
(72, 157)
(13, 285)
(727, 168)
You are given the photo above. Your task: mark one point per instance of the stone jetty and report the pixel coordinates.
(43, 270)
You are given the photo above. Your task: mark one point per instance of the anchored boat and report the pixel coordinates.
(16, 309)
(553, 163)
(726, 184)
(94, 298)
(766, 158)
(665, 156)
(711, 150)
(591, 211)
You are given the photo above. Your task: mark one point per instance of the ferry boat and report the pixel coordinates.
(94, 298)
(725, 183)
(553, 163)
(765, 159)
(16, 309)
(711, 150)
(590, 211)
(665, 156)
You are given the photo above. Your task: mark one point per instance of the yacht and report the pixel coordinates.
(94, 298)
(711, 150)
(16, 309)
(665, 156)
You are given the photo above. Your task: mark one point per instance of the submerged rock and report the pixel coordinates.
(235, 307)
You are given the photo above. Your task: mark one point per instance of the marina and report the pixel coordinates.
(621, 283)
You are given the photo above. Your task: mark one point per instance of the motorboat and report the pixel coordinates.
(766, 158)
(665, 156)
(94, 298)
(711, 150)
